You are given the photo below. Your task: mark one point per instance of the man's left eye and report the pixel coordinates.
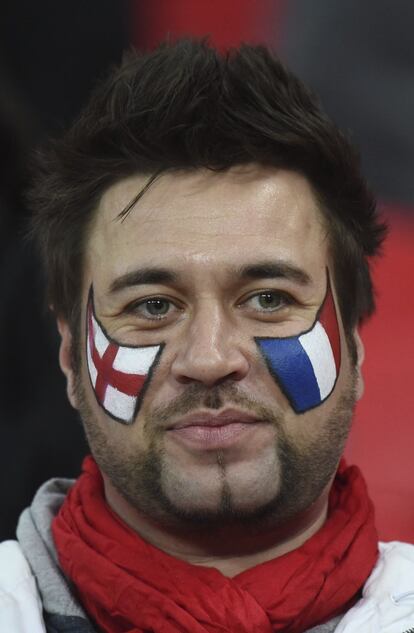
(268, 301)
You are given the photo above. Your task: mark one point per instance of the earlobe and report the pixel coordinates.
(360, 351)
(65, 360)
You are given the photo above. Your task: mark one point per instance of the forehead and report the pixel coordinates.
(207, 218)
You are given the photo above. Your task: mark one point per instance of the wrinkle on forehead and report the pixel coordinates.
(262, 181)
(205, 216)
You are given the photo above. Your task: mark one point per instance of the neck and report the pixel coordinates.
(230, 549)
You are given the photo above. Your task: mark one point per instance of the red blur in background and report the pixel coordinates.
(227, 22)
(382, 438)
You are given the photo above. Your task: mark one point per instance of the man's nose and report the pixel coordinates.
(210, 351)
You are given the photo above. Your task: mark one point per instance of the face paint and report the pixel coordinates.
(306, 366)
(119, 374)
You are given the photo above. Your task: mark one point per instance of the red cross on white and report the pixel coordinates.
(118, 373)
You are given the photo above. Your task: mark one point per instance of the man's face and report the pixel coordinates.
(203, 265)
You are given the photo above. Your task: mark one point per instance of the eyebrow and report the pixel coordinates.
(256, 270)
(275, 270)
(143, 276)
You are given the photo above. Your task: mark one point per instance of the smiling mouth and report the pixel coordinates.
(209, 432)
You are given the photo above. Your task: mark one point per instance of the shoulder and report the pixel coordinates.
(20, 604)
(387, 603)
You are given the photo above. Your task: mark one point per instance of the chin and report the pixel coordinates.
(242, 492)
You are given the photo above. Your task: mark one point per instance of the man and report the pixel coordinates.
(206, 232)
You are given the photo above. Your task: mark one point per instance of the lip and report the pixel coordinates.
(214, 431)
(226, 417)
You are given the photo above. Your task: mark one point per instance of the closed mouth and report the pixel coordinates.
(208, 419)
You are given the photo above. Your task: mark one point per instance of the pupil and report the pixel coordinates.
(157, 307)
(268, 300)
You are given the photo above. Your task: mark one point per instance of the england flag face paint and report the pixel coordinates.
(119, 374)
(306, 366)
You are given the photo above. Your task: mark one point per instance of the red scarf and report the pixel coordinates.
(129, 586)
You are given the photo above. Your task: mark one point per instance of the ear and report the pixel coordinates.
(65, 359)
(360, 350)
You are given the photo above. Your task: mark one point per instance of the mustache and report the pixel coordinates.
(197, 396)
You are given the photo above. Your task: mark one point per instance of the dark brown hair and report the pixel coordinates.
(186, 106)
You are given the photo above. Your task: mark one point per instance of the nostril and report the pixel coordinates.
(209, 366)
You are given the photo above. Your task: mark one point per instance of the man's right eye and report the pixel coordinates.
(153, 308)
(156, 307)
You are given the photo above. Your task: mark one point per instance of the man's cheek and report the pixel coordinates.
(306, 366)
(119, 374)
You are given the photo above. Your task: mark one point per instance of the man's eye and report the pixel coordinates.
(156, 308)
(268, 301)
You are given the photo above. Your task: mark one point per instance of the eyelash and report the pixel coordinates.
(285, 299)
(134, 307)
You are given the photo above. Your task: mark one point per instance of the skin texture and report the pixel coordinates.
(264, 492)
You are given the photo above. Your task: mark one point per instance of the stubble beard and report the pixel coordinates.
(142, 477)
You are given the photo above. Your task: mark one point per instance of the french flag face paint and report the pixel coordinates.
(119, 374)
(306, 366)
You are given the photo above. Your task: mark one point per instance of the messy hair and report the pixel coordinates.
(186, 106)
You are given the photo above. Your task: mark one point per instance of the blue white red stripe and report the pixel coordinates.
(306, 366)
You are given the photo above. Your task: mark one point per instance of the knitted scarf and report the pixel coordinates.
(129, 586)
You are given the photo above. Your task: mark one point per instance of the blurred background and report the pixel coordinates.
(358, 56)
